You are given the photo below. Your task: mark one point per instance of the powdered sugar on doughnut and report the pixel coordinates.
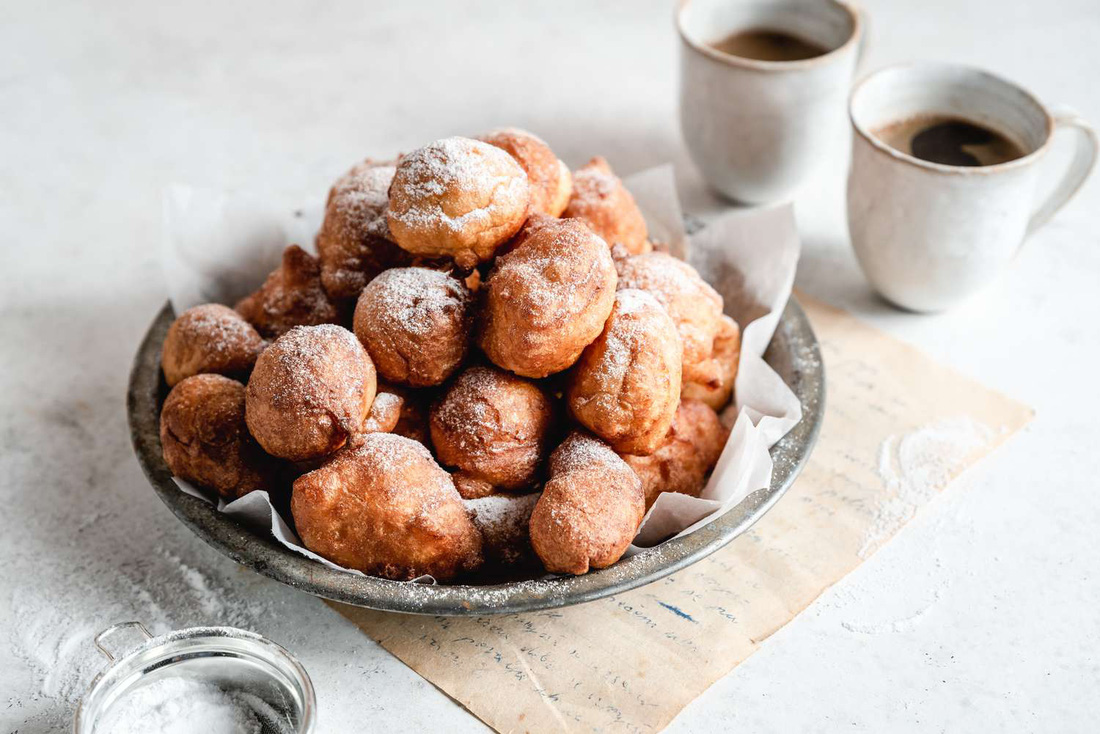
(316, 363)
(418, 298)
(463, 166)
(360, 197)
(502, 520)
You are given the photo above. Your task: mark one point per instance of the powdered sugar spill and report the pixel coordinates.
(915, 466)
(53, 633)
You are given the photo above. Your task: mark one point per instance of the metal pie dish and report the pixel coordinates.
(794, 353)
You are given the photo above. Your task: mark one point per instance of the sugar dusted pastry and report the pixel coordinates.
(210, 339)
(547, 299)
(310, 392)
(354, 244)
(626, 385)
(600, 199)
(385, 411)
(291, 296)
(550, 180)
(458, 198)
(685, 457)
(205, 440)
(494, 429)
(694, 306)
(415, 324)
(726, 354)
(589, 510)
(387, 509)
(504, 523)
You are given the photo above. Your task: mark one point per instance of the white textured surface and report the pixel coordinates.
(981, 615)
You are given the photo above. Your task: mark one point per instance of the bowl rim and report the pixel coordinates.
(265, 555)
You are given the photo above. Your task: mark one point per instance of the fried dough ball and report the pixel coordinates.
(504, 520)
(601, 200)
(384, 412)
(547, 299)
(693, 305)
(494, 428)
(354, 244)
(291, 296)
(727, 354)
(415, 324)
(550, 180)
(626, 385)
(688, 453)
(205, 440)
(310, 392)
(387, 509)
(589, 510)
(210, 339)
(458, 198)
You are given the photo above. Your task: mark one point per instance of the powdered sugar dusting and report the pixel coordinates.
(488, 176)
(314, 367)
(219, 329)
(417, 299)
(360, 196)
(917, 465)
(502, 520)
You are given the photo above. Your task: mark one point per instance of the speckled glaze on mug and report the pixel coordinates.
(928, 235)
(756, 128)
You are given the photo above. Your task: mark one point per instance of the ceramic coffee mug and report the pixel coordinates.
(755, 128)
(927, 234)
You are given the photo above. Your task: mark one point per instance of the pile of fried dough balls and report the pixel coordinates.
(487, 368)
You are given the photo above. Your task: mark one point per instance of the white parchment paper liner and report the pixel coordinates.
(219, 246)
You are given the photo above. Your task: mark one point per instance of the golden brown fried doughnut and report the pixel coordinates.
(693, 305)
(547, 299)
(310, 392)
(415, 324)
(550, 180)
(291, 296)
(354, 243)
(601, 200)
(727, 354)
(384, 412)
(504, 520)
(387, 509)
(688, 453)
(589, 510)
(458, 198)
(493, 427)
(205, 440)
(210, 338)
(626, 385)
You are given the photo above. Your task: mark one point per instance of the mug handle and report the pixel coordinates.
(1084, 158)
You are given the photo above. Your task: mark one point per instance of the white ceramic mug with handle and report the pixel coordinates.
(756, 128)
(926, 234)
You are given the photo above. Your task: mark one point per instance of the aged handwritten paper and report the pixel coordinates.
(631, 662)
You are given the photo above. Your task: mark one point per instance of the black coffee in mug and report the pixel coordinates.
(765, 44)
(951, 141)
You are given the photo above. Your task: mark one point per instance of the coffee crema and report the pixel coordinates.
(766, 44)
(951, 141)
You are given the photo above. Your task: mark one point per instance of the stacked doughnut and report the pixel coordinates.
(488, 367)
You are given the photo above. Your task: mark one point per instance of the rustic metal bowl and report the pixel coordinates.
(794, 353)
